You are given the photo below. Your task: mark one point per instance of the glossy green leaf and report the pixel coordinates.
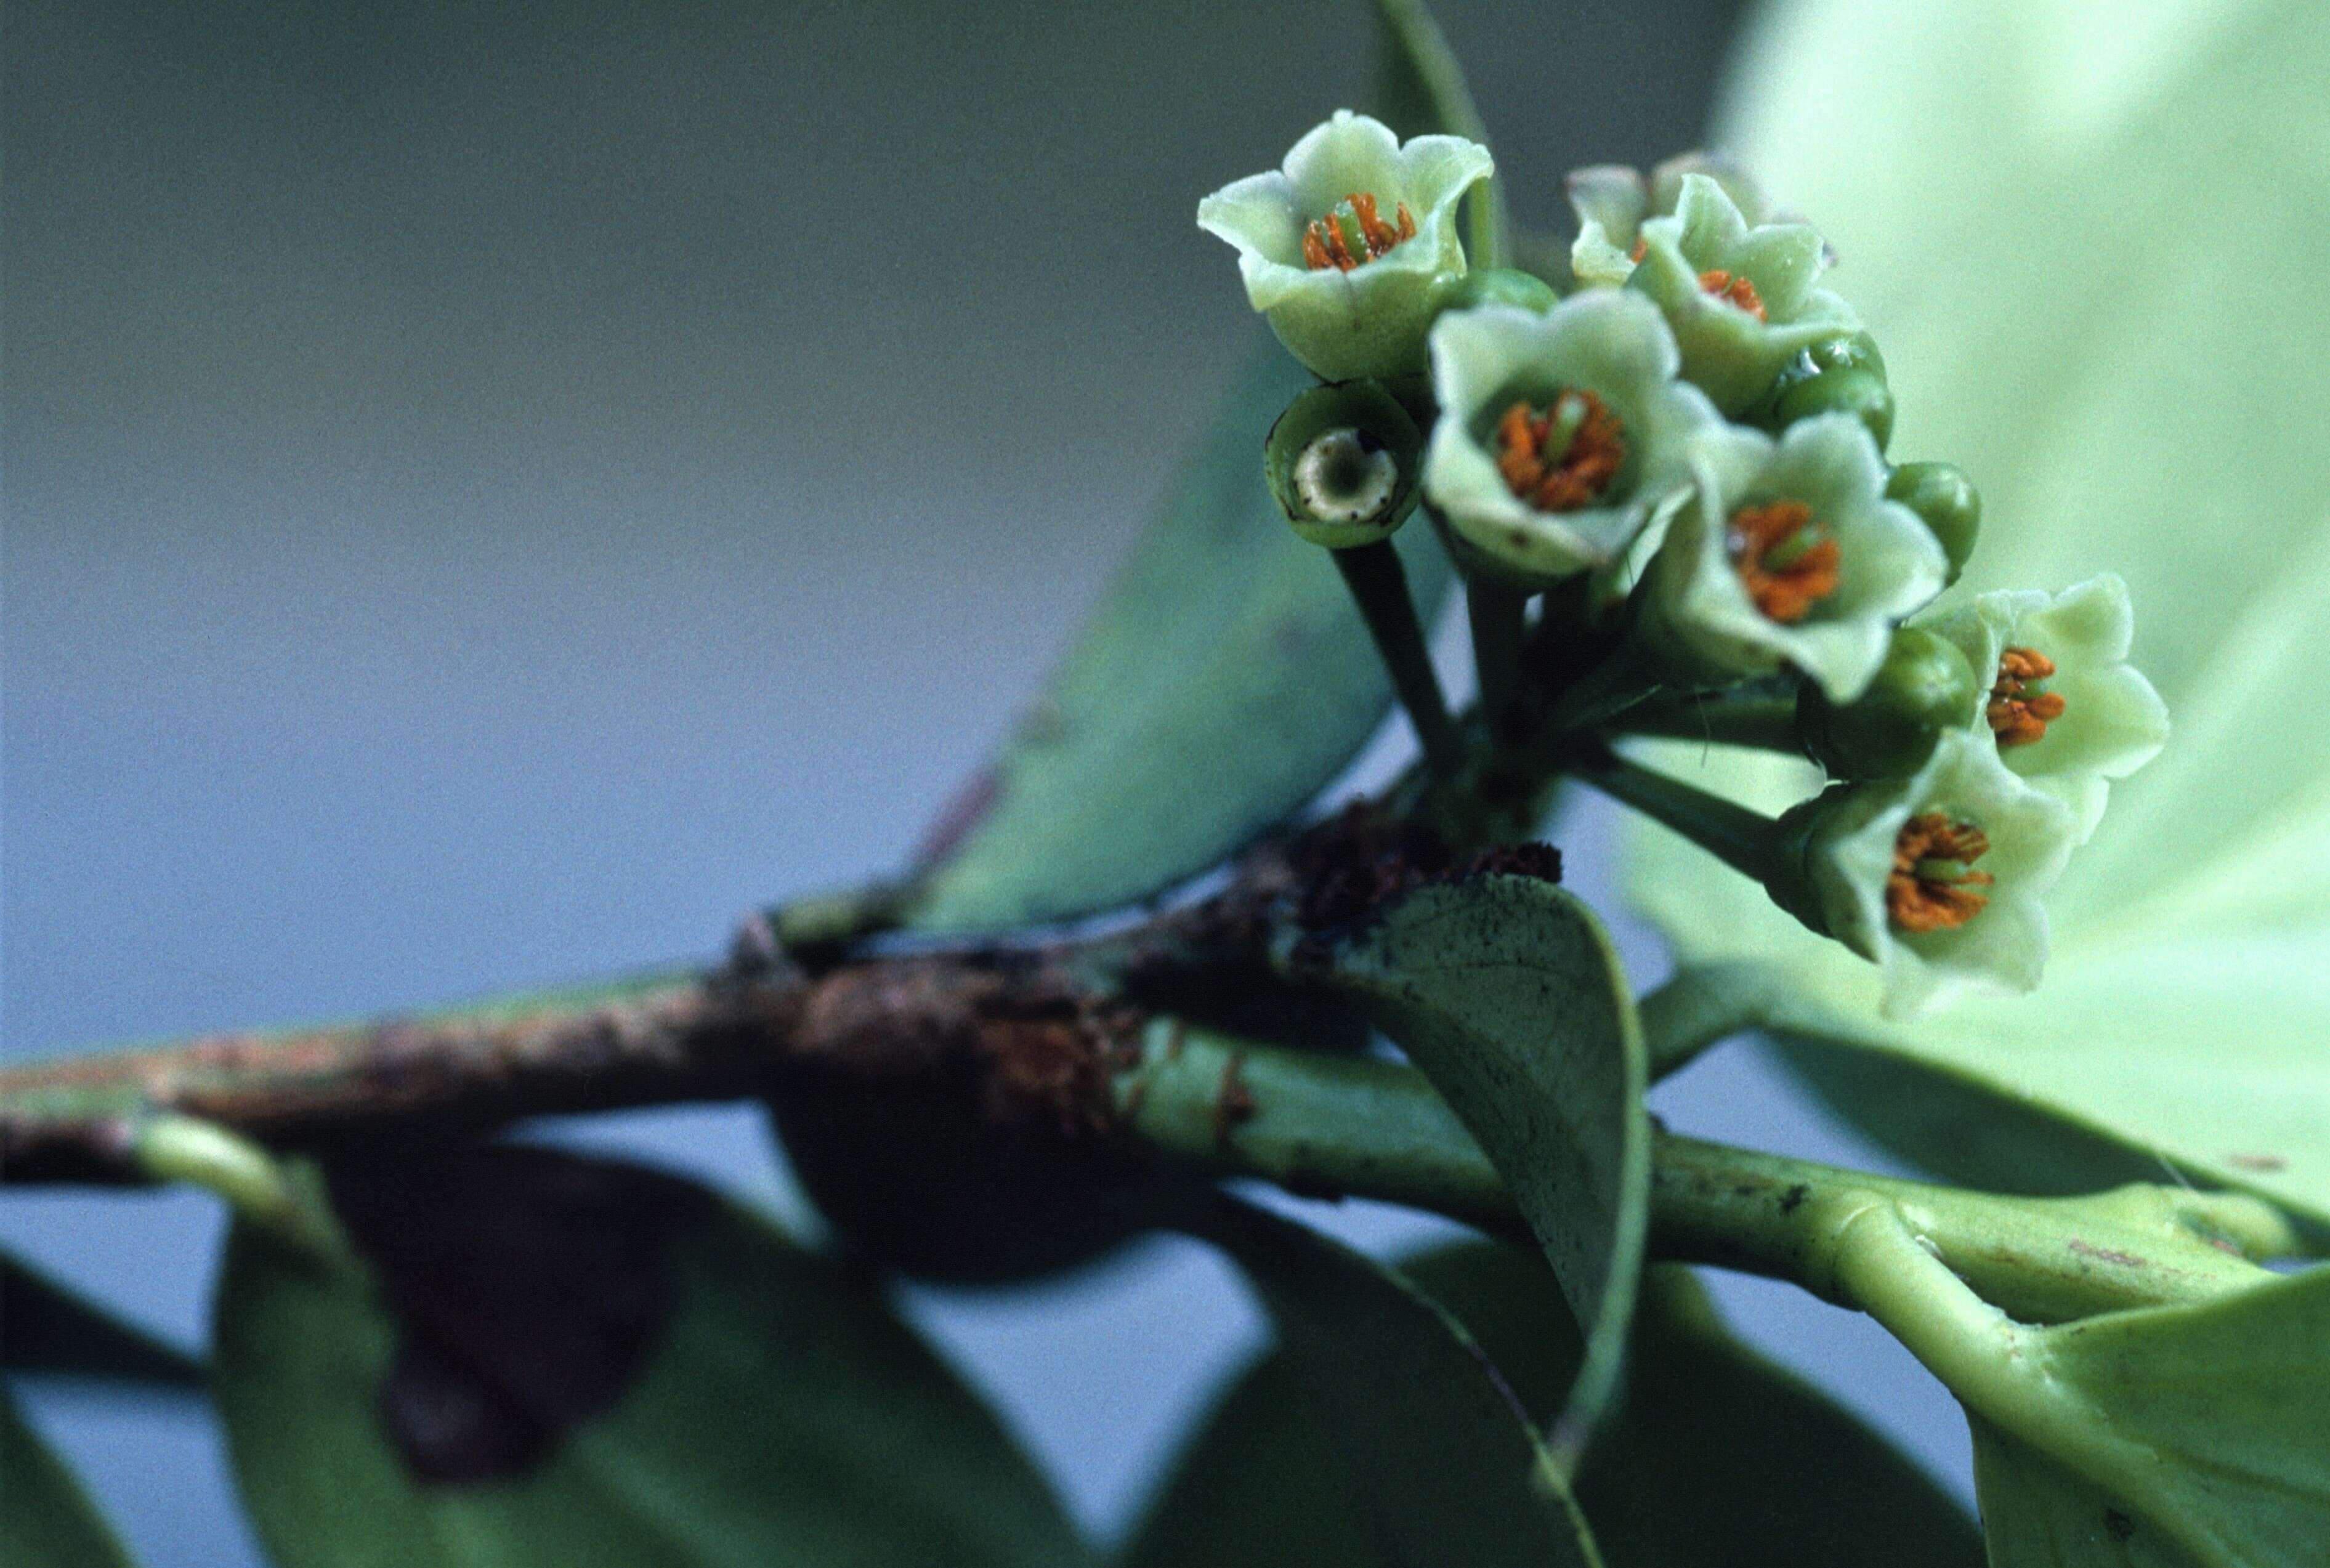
(2179, 1435)
(46, 1520)
(1376, 1434)
(45, 1327)
(1506, 992)
(1224, 681)
(2058, 239)
(1713, 1457)
(593, 1364)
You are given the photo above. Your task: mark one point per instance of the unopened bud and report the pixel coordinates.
(1924, 687)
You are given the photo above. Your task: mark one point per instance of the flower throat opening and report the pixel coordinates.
(2018, 711)
(1353, 233)
(1930, 888)
(1785, 557)
(1562, 456)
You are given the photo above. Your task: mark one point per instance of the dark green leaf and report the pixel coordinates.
(1505, 991)
(596, 1364)
(1262, 1484)
(45, 1327)
(1224, 681)
(1376, 1434)
(46, 1520)
(1713, 1457)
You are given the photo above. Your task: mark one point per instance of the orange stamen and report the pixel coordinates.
(1783, 589)
(1641, 249)
(1920, 895)
(1324, 243)
(1736, 290)
(1579, 473)
(2017, 714)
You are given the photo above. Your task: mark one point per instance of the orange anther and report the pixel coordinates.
(1325, 243)
(1929, 887)
(1576, 472)
(2018, 715)
(1736, 290)
(1786, 559)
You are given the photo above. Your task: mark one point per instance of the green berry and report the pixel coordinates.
(1924, 688)
(1941, 494)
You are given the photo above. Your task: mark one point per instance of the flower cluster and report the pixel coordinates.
(1685, 456)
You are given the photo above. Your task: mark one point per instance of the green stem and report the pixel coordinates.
(2042, 1260)
(1317, 1123)
(1705, 1004)
(1762, 718)
(1309, 1121)
(1500, 617)
(1379, 583)
(1746, 841)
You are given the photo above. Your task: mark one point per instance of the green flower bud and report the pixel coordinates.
(1843, 375)
(1924, 687)
(1942, 495)
(1610, 203)
(1499, 285)
(1937, 878)
(1343, 462)
(1787, 553)
(1559, 434)
(1742, 300)
(1347, 247)
(2061, 704)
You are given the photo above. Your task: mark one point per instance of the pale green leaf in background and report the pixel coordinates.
(46, 1520)
(1506, 992)
(2173, 1435)
(2036, 1514)
(2064, 220)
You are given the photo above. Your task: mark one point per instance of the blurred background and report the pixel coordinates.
(494, 493)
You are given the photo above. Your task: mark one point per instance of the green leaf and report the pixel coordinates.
(1506, 992)
(2036, 1514)
(46, 1520)
(1375, 1434)
(1224, 679)
(45, 1327)
(2174, 1435)
(2057, 242)
(1420, 91)
(1261, 1484)
(537, 1358)
(1713, 1457)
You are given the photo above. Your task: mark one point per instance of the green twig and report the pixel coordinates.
(1499, 616)
(1372, 1128)
(1755, 717)
(1745, 840)
(1379, 583)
